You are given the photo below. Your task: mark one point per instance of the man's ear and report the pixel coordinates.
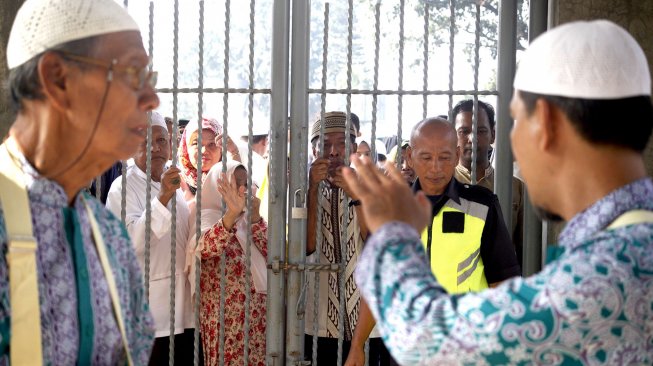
(54, 74)
(409, 156)
(545, 117)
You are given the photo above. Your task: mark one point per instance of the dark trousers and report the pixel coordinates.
(184, 349)
(327, 351)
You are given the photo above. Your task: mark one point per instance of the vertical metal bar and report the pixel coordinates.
(250, 138)
(477, 45)
(318, 224)
(278, 158)
(425, 76)
(173, 227)
(532, 255)
(298, 138)
(123, 175)
(506, 73)
(552, 18)
(123, 193)
(452, 34)
(402, 7)
(148, 173)
(537, 21)
(98, 186)
(198, 195)
(345, 204)
(225, 129)
(377, 41)
(148, 205)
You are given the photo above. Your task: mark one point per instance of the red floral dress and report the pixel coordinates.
(216, 241)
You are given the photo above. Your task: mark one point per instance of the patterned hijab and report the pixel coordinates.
(189, 172)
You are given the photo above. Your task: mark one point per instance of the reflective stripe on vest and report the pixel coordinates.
(456, 256)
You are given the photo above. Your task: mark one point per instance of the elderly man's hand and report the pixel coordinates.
(386, 198)
(318, 171)
(170, 182)
(340, 182)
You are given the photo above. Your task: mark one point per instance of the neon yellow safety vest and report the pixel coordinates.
(453, 243)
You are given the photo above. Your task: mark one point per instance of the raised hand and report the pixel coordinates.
(234, 198)
(170, 182)
(386, 198)
(232, 149)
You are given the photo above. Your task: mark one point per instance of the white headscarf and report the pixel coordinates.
(212, 213)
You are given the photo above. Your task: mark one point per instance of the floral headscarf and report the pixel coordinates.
(189, 172)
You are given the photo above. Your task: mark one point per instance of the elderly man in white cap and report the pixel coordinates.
(164, 188)
(583, 116)
(71, 289)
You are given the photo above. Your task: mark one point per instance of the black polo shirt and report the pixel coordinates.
(497, 250)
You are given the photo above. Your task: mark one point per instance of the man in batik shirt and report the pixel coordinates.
(81, 86)
(340, 213)
(583, 117)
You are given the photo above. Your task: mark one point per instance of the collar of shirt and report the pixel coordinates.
(42, 190)
(468, 174)
(635, 195)
(450, 192)
(143, 175)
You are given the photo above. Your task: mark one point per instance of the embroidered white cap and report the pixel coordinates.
(587, 60)
(43, 24)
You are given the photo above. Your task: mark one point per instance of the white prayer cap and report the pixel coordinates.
(158, 120)
(259, 127)
(43, 24)
(587, 60)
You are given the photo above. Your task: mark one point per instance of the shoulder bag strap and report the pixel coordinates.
(632, 217)
(111, 282)
(25, 338)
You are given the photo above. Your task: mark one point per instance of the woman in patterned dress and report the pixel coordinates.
(225, 238)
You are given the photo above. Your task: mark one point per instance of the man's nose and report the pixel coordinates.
(333, 151)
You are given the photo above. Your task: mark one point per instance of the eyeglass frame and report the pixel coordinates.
(139, 76)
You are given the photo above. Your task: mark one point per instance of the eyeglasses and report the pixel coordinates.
(137, 77)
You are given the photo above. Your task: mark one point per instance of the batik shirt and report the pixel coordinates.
(78, 325)
(593, 305)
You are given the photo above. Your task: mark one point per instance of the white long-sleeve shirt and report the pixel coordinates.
(160, 240)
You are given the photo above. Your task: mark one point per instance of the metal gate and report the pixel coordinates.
(294, 93)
